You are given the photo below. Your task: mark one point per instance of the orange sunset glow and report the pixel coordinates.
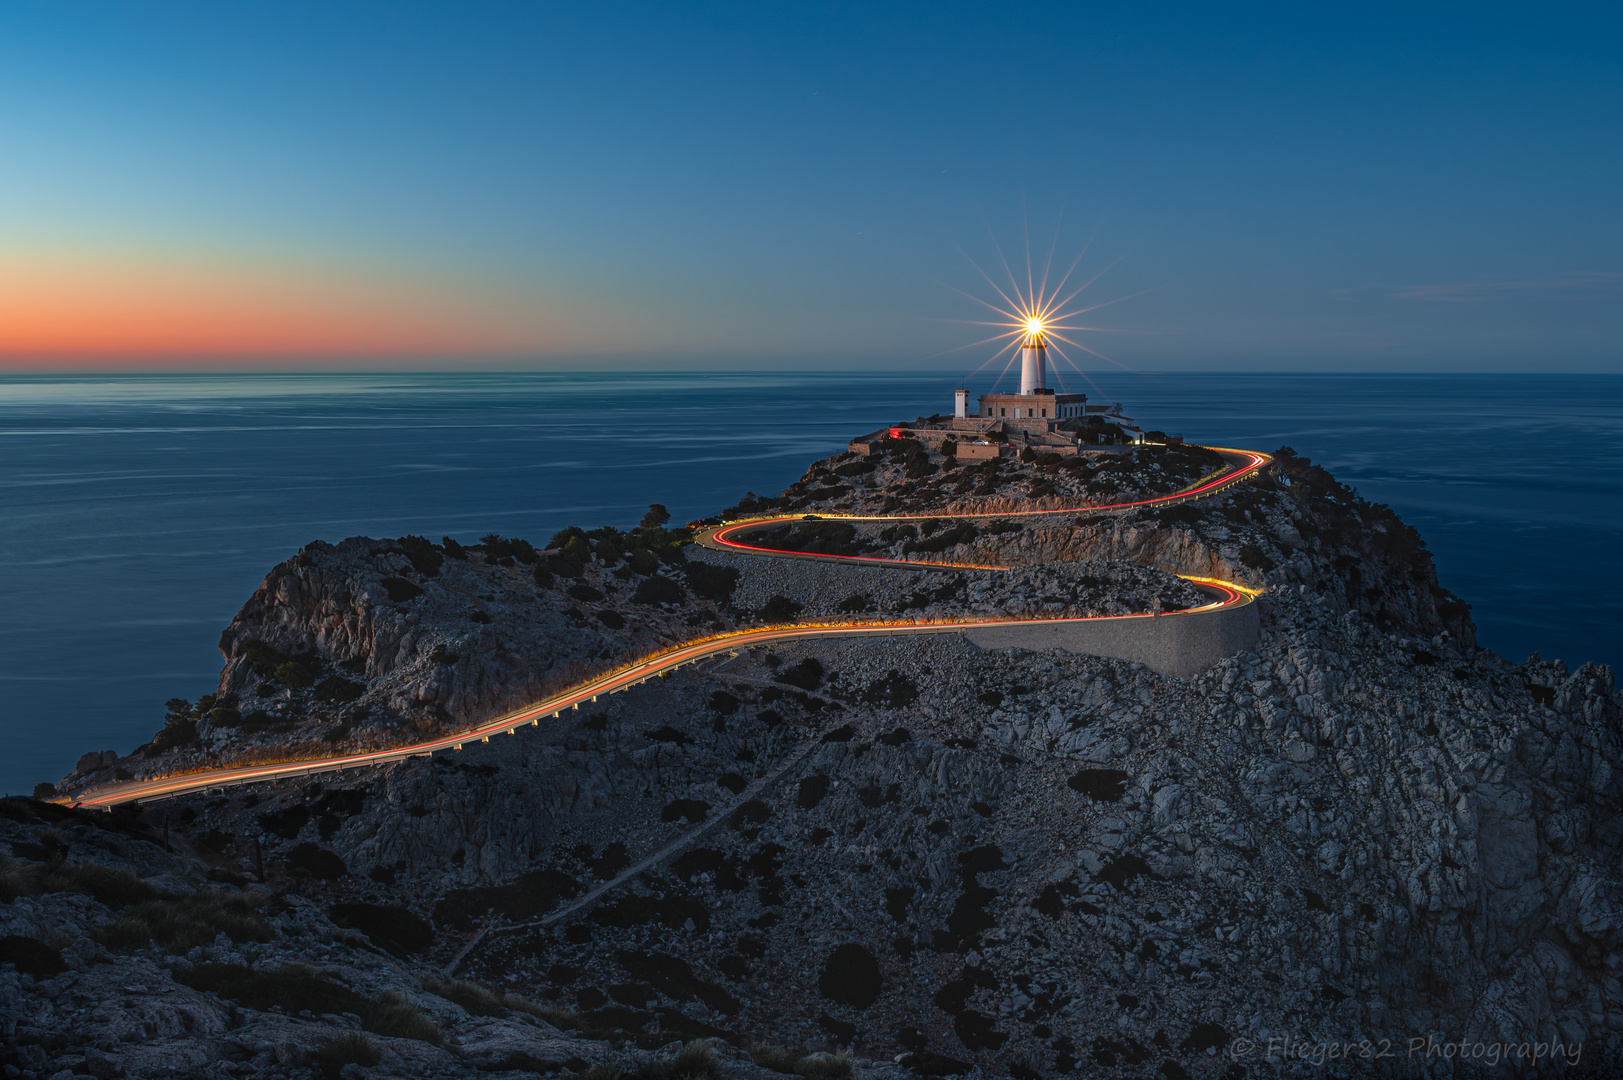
(65, 310)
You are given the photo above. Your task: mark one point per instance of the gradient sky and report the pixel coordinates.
(354, 185)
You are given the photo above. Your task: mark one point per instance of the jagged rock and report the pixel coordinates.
(954, 859)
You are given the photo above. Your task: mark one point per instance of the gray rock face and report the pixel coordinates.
(476, 639)
(1366, 828)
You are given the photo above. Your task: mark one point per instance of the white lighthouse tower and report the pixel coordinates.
(1033, 359)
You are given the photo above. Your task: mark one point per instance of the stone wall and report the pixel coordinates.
(1183, 645)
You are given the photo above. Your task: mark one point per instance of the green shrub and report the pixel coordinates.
(657, 516)
(350, 1048)
(563, 537)
(807, 674)
(224, 716)
(598, 1072)
(824, 1066)
(779, 609)
(498, 548)
(317, 862)
(752, 504)
(1254, 557)
(919, 467)
(823, 494)
(31, 956)
(340, 731)
(777, 1058)
(393, 1016)
(291, 987)
(475, 999)
(692, 1062)
(818, 537)
(543, 576)
(710, 582)
(1452, 607)
(179, 925)
(659, 590)
(643, 561)
(453, 550)
(400, 590)
(1179, 514)
(562, 1019)
(259, 720)
(425, 557)
(854, 603)
(478, 1001)
(301, 673)
(335, 688)
(177, 731)
(894, 691)
(611, 619)
(264, 658)
(578, 548)
(44, 791)
(951, 536)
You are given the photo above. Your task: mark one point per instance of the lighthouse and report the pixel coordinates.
(1033, 359)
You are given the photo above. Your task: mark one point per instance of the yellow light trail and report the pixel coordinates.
(666, 660)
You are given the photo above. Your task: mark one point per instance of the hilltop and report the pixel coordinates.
(945, 859)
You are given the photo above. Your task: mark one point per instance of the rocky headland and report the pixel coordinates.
(893, 857)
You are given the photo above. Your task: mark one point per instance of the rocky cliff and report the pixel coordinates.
(1365, 832)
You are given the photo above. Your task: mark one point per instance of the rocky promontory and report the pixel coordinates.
(896, 856)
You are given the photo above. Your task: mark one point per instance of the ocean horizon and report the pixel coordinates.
(142, 510)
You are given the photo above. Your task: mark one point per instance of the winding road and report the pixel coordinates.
(725, 537)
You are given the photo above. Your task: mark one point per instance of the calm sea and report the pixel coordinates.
(137, 514)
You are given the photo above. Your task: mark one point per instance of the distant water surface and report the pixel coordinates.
(138, 513)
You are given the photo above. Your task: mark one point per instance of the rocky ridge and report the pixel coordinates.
(954, 862)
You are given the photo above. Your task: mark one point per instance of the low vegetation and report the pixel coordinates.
(811, 1066)
(115, 888)
(178, 925)
(351, 1048)
(779, 609)
(478, 1001)
(291, 988)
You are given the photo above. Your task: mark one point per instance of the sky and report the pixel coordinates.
(318, 186)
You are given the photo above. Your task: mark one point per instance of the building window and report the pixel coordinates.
(1003, 412)
(1045, 412)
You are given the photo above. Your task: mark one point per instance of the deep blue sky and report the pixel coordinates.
(1305, 186)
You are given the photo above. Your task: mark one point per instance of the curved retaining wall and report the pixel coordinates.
(1183, 645)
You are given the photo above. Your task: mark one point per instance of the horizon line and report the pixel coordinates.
(825, 369)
